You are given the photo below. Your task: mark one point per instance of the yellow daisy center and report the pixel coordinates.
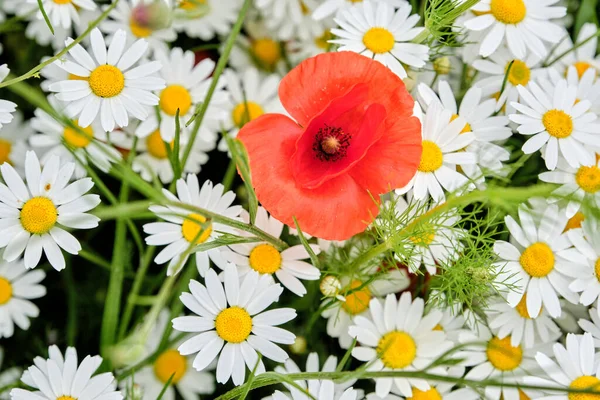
(5, 290)
(523, 396)
(75, 139)
(357, 301)
(467, 127)
(38, 215)
(425, 237)
(522, 307)
(582, 67)
(62, 1)
(575, 221)
(537, 260)
(558, 123)
(265, 259)
(233, 324)
(438, 327)
(267, 51)
(5, 148)
(379, 40)
(508, 11)
(431, 394)
(355, 1)
(66, 398)
(322, 41)
(588, 178)
(107, 81)
(503, 355)
(169, 363)
(156, 145)
(597, 269)
(175, 97)
(246, 112)
(138, 30)
(431, 158)
(585, 382)
(397, 349)
(519, 73)
(192, 228)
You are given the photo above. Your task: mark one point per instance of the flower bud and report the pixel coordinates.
(442, 65)
(330, 286)
(299, 345)
(152, 16)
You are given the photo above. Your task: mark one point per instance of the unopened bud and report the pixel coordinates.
(330, 286)
(152, 16)
(442, 65)
(299, 345)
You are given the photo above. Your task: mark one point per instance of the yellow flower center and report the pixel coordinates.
(38, 215)
(267, 51)
(192, 227)
(597, 269)
(588, 178)
(233, 324)
(191, 5)
(66, 398)
(156, 145)
(575, 221)
(425, 237)
(431, 394)
(5, 290)
(175, 97)
(379, 40)
(5, 148)
(519, 73)
(558, 123)
(322, 41)
(467, 127)
(582, 67)
(62, 1)
(537, 260)
(585, 382)
(138, 30)
(246, 112)
(265, 259)
(522, 307)
(508, 11)
(503, 355)
(397, 349)
(523, 396)
(107, 81)
(169, 363)
(431, 158)
(442, 65)
(75, 139)
(438, 327)
(357, 301)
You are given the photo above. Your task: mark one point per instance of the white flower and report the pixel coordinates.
(582, 58)
(587, 84)
(63, 13)
(17, 287)
(397, 336)
(184, 228)
(376, 31)
(557, 123)
(205, 19)
(290, 19)
(13, 142)
(232, 322)
(112, 88)
(439, 392)
(521, 24)
(538, 263)
(442, 152)
(265, 259)
(593, 326)
(60, 377)
(6, 107)
(335, 7)
(260, 48)
(31, 216)
(575, 368)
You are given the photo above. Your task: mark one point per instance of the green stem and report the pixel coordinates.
(94, 259)
(575, 47)
(71, 306)
(133, 209)
(229, 175)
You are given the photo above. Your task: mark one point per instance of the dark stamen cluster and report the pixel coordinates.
(331, 143)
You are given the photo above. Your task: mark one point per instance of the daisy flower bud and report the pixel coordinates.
(330, 286)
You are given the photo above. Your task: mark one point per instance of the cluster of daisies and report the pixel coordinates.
(520, 87)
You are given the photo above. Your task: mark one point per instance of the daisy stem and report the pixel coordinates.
(43, 11)
(134, 210)
(94, 258)
(575, 47)
(229, 175)
(34, 71)
(71, 306)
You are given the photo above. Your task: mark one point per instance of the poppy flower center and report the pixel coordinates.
(192, 228)
(357, 301)
(558, 123)
(156, 145)
(466, 128)
(107, 81)
(519, 73)
(582, 67)
(267, 51)
(170, 363)
(175, 97)
(5, 148)
(331, 143)
(502, 355)
(537, 260)
(246, 112)
(508, 11)
(265, 259)
(431, 394)
(76, 139)
(233, 324)
(575, 221)
(38, 215)
(588, 178)
(379, 40)
(585, 382)
(6, 290)
(397, 349)
(432, 157)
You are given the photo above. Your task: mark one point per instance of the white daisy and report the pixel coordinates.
(577, 184)
(31, 216)
(592, 325)
(265, 259)
(152, 378)
(130, 16)
(63, 13)
(522, 24)
(376, 31)
(588, 86)
(205, 19)
(53, 138)
(184, 227)
(584, 57)
(60, 377)
(557, 123)
(299, 50)
(452, 322)
(436, 392)
(17, 287)
(113, 88)
(335, 7)
(517, 324)
(13, 142)
(258, 47)
(538, 263)
(6, 107)
(187, 85)
(397, 336)
(442, 152)
(575, 368)
(232, 322)
(290, 19)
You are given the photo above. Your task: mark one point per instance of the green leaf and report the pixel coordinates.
(586, 13)
(313, 257)
(41, 6)
(239, 154)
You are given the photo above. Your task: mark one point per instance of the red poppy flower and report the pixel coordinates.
(353, 138)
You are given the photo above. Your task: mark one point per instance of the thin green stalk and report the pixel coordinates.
(575, 47)
(71, 293)
(229, 175)
(94, 259)
(134, 210)
(43, 11)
